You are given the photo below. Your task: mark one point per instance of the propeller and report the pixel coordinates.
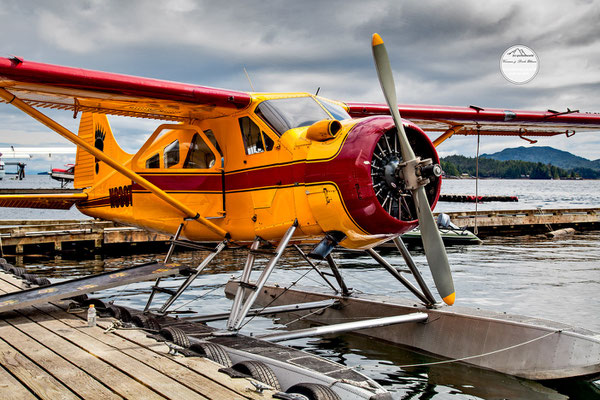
(433, 245)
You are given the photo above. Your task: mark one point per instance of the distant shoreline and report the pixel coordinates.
(518, 179)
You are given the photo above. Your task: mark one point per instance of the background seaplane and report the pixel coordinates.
(261, 168)
(27, 153)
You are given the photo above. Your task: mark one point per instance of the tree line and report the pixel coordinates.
(457, 165)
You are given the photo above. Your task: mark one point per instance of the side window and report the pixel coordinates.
(269, 143)
(200, 156)
(211, 136)
(253, 137)
(153, 162)
(171, 154)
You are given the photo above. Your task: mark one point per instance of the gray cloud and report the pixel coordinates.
(442, 52)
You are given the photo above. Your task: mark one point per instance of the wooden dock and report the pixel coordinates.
(527, 221)
(49, 353)
(54, 234)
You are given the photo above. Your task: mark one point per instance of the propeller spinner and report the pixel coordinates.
(411, 171)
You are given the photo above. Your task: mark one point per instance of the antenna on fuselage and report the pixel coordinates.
(249, 80)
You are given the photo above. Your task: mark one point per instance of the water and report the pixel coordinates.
(529, 275)
(531, 193)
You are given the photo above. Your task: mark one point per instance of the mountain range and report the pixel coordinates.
(545, 155)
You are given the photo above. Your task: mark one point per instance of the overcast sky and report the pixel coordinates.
(442, 52)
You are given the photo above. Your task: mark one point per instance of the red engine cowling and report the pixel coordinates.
(366, 169)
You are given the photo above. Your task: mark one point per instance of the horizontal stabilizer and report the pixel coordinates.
(88, 284)
(60, 201)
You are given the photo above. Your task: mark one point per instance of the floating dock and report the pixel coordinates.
(467, 198)
(526, 221)
(270, 365)
(47, 352)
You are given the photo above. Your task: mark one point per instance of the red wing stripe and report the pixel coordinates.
(470, 114)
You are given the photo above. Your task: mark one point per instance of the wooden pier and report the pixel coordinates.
(49, 353)
(54, 234)
(527, 221)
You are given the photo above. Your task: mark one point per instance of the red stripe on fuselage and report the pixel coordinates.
(349, 170)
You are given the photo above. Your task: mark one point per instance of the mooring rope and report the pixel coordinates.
(118, 294)
(481, 355)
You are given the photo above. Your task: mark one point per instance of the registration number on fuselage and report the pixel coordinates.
(120, 196)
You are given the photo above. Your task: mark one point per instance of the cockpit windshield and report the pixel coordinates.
(336, 110)
(289, 113)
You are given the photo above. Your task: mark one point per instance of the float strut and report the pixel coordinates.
(413, 268)
(245, 279)
(313, 266)
(167, 260)
(397, 275)
(193, 276)
(240, 314)
(337, 275)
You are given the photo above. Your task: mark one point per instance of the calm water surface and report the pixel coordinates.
(529, 275)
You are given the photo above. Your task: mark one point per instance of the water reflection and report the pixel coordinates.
(429, 381)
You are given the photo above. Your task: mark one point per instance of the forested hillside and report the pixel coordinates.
(457, 165)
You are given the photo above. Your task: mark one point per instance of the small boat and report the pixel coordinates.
(450, 237)
(451, 234)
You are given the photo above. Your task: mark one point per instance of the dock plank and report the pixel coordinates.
(86, 386)
(10, 388)
(119, 382)
(70, 332)
(122, 384)
(164, 385)
(44, 385)
(157, 360)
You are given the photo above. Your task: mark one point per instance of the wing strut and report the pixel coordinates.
(64, 132)
(447, 135)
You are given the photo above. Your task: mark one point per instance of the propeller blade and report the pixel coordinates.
(386, 80)
(433, 245)
(435, 251)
